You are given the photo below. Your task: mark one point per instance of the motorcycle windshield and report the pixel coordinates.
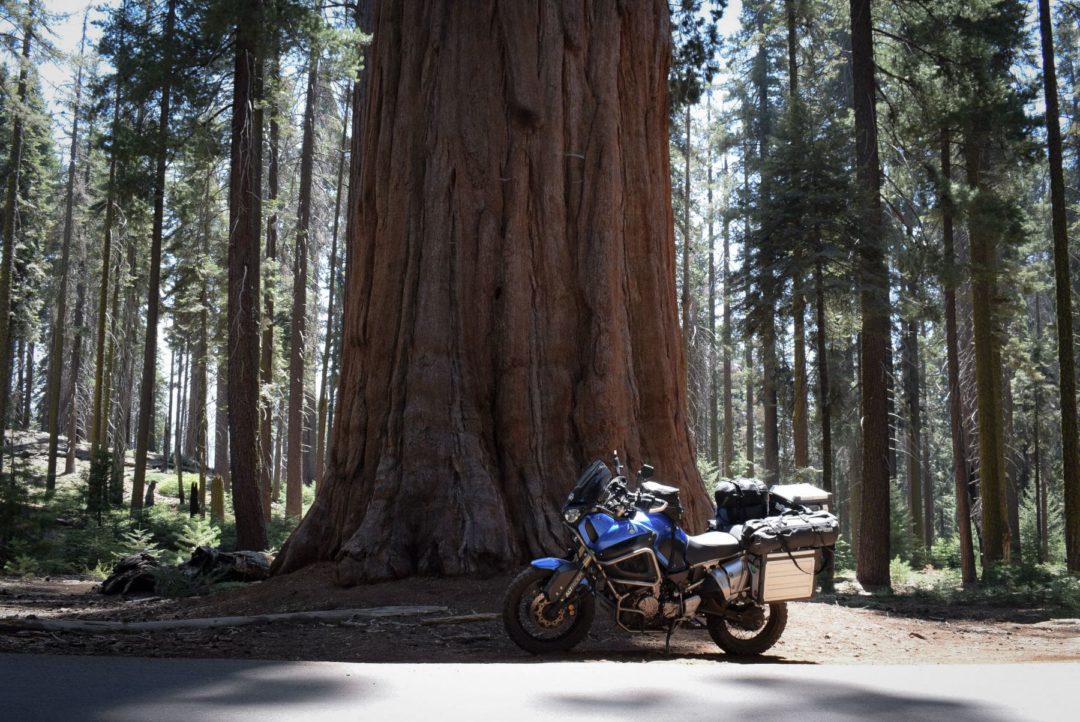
(590, 485)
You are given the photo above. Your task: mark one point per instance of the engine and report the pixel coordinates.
(643, 610)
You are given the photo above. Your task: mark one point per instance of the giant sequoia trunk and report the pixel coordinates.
(509, 309)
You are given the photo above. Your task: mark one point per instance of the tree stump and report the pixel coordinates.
(194, 498)
(217, 499)
(149, 500)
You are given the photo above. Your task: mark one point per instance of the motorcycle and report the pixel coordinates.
(629, 553)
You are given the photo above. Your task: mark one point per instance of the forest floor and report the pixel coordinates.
(848, 627)
(843, 628)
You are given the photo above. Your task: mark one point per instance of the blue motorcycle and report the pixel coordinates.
(629, 553)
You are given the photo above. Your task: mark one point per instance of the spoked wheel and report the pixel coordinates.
(534, 625)
(757, 628)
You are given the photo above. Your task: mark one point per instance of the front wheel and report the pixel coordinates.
(756, 628)
(534, 630)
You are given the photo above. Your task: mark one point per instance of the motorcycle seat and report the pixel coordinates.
(711, 546)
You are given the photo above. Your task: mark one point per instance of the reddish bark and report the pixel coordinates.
(244, 262)
(873, 547)
(509, 306)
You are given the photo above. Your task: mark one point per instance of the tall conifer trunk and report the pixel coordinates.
(1070, 446)
(961, 472)
(56, 352)
(153, 293)
(245, 209)
(266, 350)
(7, 253)
(729, 411)
(873, 548)
(331, 307)
(99, 421)
(294, 455)
(800, 422)
(466, 414)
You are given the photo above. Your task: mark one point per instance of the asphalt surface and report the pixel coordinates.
(144, 690)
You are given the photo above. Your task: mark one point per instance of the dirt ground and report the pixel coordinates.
(842, 629)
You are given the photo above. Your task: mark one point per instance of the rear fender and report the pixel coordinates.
(564, 575)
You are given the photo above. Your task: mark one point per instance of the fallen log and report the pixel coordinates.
(22, 624)
(460, 619)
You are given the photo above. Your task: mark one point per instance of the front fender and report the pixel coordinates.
(550, 563)
(565, 574)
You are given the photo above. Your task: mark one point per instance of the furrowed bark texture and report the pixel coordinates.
(873, 548)
(244, 262)
(509, 307)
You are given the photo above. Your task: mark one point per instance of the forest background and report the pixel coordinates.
(956, 287)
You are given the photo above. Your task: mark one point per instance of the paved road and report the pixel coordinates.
(187, 690)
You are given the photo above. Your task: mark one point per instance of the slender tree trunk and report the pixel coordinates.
(824, 392)
(910, 356)
(200, 404)
(116, 483)
(166, 440)
(98, 416)
(687, 334)
(961, 473)
(153, 297)
(800, 408)
(391, 503)
(279, 444)
(196, 396)
(221, 417)
(729, 411)
(7, 254)
(748, 340)
(924, 446)
(56, 354)
(294, 481)
(126, 373)
(770, 421)
(76, 364)
(266, 350)
(873, 550)
(244, 261)
(714, 416)
(1042, 525)
(982, 238)
(324, 391)
(1070, 447)
(178, 452)
(27, 401)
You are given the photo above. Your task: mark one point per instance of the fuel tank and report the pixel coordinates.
(611, 538)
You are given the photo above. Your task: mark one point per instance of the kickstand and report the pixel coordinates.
(671, 630)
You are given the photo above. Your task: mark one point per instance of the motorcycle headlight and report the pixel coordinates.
(571, 515)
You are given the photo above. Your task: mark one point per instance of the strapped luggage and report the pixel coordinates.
(790, 532)
(738, 501)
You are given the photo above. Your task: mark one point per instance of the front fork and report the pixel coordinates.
(566, 577)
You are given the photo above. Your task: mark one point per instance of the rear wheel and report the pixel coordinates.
(756, 628)
(531, 622)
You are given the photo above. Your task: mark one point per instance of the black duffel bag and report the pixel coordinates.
(740, 500)
(790, 532)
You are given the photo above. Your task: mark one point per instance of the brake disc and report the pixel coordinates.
(538, 607)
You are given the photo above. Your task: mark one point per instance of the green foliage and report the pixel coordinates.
(902, 542)
(843, 556)
(139, 541)
(196, 532)
(945, 553)
(899, 572)
(710, 473)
